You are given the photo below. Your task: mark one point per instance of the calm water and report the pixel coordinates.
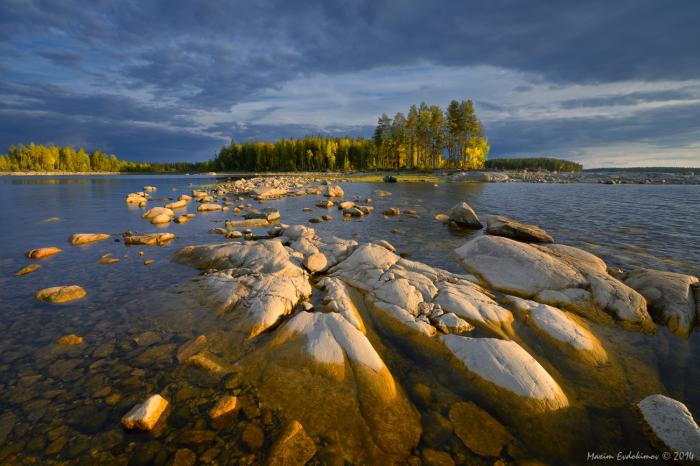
(56, 401)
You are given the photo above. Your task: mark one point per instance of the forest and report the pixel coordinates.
(534, 163)
(41, 158)
(426, 138)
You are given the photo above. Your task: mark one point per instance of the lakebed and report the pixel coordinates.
(367, 383)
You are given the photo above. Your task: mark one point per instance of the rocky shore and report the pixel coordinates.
(332, 351)
(691, 177)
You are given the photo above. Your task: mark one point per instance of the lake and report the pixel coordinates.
(65, 402)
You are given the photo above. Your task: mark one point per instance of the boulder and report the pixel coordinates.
(464, 216)
(316, 262)
(392, 212)
(251, 222)
(671, 424)
(161, 219)
(433, 457)
(158, 211)
(177, 204)
(206, 207)
(528, 270)
(149, 188)
(346, 205)
(562, 329)
(136, 198)
(41, 253)
(292, 447)
(61, 294)
(182, 219)
(326, 204)
(504, 226)
(150, 239)
(184, 197)
(333, 191)
(508, 370)
(669, 297)
(262, 193)
(478, 430)
(86, 238)
(144, 416)
(268, 214)
(353, 212)
(444, 218)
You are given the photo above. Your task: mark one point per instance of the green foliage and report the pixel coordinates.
(40, 158)
(535, 163)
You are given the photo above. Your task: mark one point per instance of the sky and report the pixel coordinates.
(605, 83)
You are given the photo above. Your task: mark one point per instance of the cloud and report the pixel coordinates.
(544, 76)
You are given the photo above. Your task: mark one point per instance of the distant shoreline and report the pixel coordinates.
(592, 176)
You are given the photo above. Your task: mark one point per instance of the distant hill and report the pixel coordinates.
(534, 163)
(647, 169)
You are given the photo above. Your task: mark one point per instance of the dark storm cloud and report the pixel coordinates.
(95, 60)
(550, 137)
(130, 141)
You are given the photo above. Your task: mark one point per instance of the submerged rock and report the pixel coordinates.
(86, 238)
(61, 294)
(27, 269)
(145, 416)
(671, 424)
(150, 239)
(464, 216)
(292, 447)
(71, 339)
(507, 367)
(528, 271)
(225, 406)
(41, 253)
(478, 430)
(504, 226)
(669, 296)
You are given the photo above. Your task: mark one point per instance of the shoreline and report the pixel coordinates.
(507, 176)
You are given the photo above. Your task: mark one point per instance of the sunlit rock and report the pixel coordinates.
(156, 212)
(41, 253)
(179, 204)
(144, 416)
(26, 270)
(333, 191)
(507, 368)
(61, 294)
(669, 297)
(207, 207)
(362, 406)
(86, 238)
(527, 270)
(150, 239)
(561, 328)
(671, 425)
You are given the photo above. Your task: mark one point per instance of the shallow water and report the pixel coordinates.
(58, 397)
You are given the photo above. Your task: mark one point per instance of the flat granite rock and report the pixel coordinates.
(528, 271)
(670, 422)
(508, 366)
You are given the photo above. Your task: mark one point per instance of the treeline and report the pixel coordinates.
(535, 163)
(40, 158)
(427, 138)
